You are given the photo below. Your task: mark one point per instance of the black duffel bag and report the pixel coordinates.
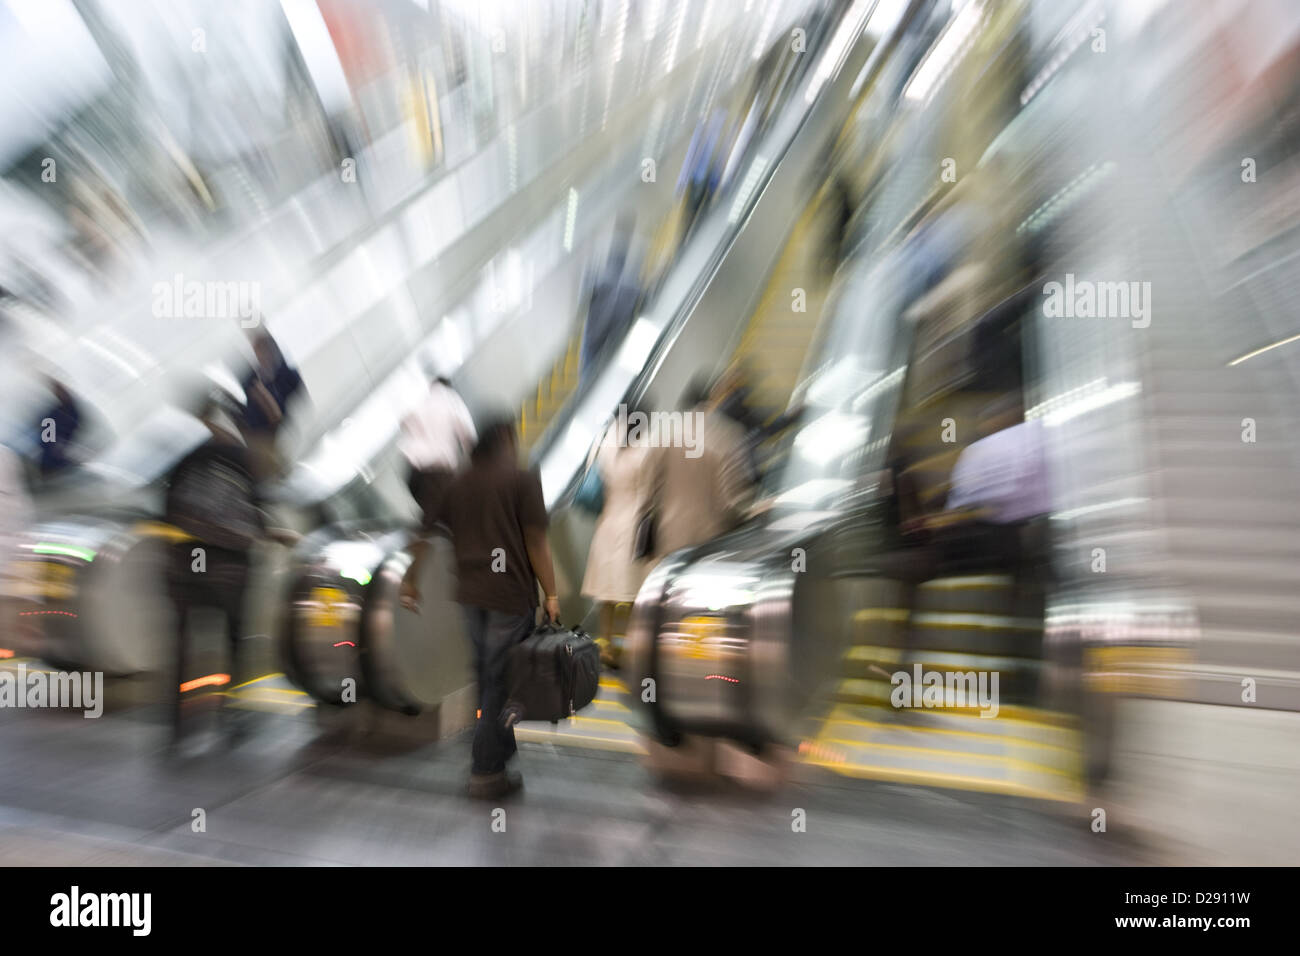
(553, 673)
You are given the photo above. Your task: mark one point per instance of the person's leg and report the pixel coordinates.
(233, 610)
(605, 630)
(476, 620)
(494, 743)
(178, 674)
(589, 351)
(911, 566)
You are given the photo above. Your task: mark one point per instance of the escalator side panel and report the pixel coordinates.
(415, 661)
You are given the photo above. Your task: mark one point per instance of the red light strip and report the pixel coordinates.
(210, 679)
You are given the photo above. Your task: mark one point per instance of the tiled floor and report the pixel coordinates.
(100, 792)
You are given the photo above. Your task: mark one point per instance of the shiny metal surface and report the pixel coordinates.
(326, 599)
(718, 279)
(745, 639)
(413, 661)
(99, 597)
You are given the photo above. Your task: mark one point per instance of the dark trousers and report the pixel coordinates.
(492, 634)
(1019, 550)
(221, 587)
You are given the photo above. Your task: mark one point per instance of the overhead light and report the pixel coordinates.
(833, 58)
(64, 551)
(814, 491)
(747, 187)
(945, 54)
(761, 43)
(1111, 505)
(570, 218)
(831, 436)
(638, 345)
(578, 439)
(1267, 348)
(1079, 401)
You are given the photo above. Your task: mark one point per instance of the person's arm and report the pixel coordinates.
(257, 392)
(735, 479)
(965, 493)
(261, 507)
(466, 433)
(297, 391)
(533, 520)
(539, 555)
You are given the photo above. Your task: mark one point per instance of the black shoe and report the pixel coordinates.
(237, 728)
(493, 786)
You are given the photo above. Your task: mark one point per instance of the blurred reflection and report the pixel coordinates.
(614, 298)
(271, 387)
(1013, 401)
(57, 430)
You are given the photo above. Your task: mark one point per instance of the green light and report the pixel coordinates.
(65, 551)
(360, 575)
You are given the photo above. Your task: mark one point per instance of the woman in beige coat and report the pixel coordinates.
(703, 492)
(613, 574)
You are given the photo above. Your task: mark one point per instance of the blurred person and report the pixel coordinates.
(613, 301)
(269, 387)
(56, 430)
(701, 493)
(496, 514)
(437, 439)
(840, 207)
(999, 485)
(732, 395)
(701, 171)
(17, 515)
(838, 203)
(614, 573)
(996, 515)
(749, 126)
(212, 497)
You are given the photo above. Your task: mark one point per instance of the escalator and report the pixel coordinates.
(340, 622)
(392, 645)
(79, 600)
(790, 632)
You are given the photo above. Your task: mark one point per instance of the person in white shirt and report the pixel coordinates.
(439, 434)
(999, 498)
(437, 438)
(1003, 474)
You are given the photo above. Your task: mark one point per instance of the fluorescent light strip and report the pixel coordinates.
(1266, 348)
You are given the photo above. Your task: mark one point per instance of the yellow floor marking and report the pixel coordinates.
(955, 781)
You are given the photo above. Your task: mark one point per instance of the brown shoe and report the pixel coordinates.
(492, 786)
(608, 654)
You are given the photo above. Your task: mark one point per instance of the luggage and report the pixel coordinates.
(553, 673)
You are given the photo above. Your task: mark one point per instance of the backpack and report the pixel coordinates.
(211, 498)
